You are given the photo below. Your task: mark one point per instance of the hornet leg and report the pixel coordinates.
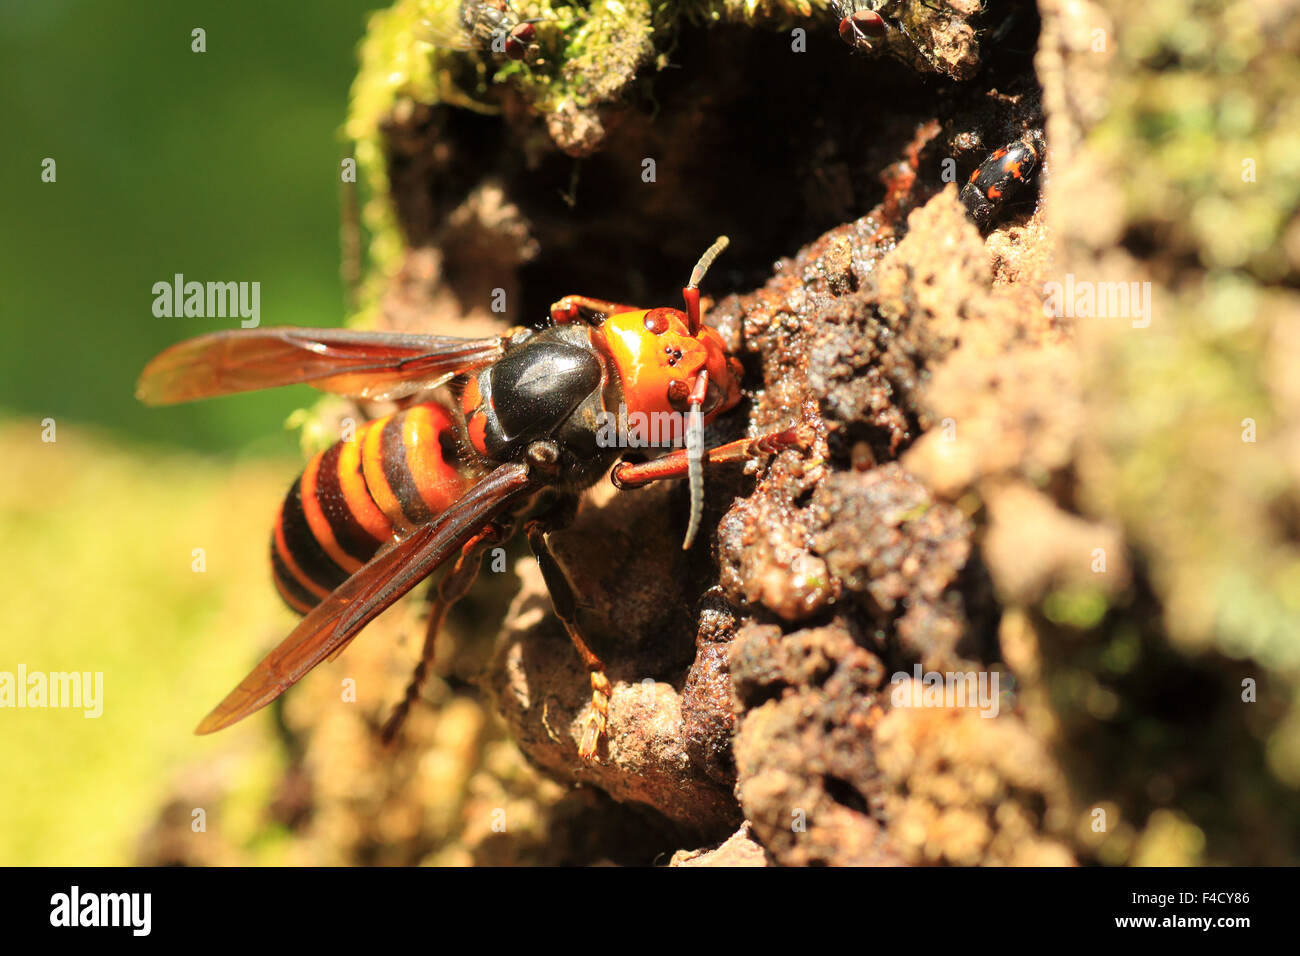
(451, 589)
(676, 464)
(574, 307)
(566, 607)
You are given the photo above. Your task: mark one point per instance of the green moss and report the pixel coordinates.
(1206, 130)
(587, 56)
(1208, 142)
(1174, 406)
(394, 64)
(775, 13)
(1193, 425)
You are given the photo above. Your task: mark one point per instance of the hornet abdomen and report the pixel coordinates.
(396, 472)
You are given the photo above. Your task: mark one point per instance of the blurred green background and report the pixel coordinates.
(222, 165)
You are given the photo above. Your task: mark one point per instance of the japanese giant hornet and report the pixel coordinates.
(490, 26)
(370, 518)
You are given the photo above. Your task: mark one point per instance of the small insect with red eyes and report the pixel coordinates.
(1000, 178)
(495, 27)
(448, 475)
(488, 26)
(865, 27)
(859, 23)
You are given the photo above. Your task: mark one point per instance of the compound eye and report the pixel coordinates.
(872, 24)
(656, 322)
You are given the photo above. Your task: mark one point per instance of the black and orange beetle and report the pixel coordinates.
(999, 178)
(439, 480)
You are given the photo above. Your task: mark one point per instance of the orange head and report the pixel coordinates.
(669, 361)
(659, 361)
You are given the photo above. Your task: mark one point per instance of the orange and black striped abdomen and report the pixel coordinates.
(396, 472)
